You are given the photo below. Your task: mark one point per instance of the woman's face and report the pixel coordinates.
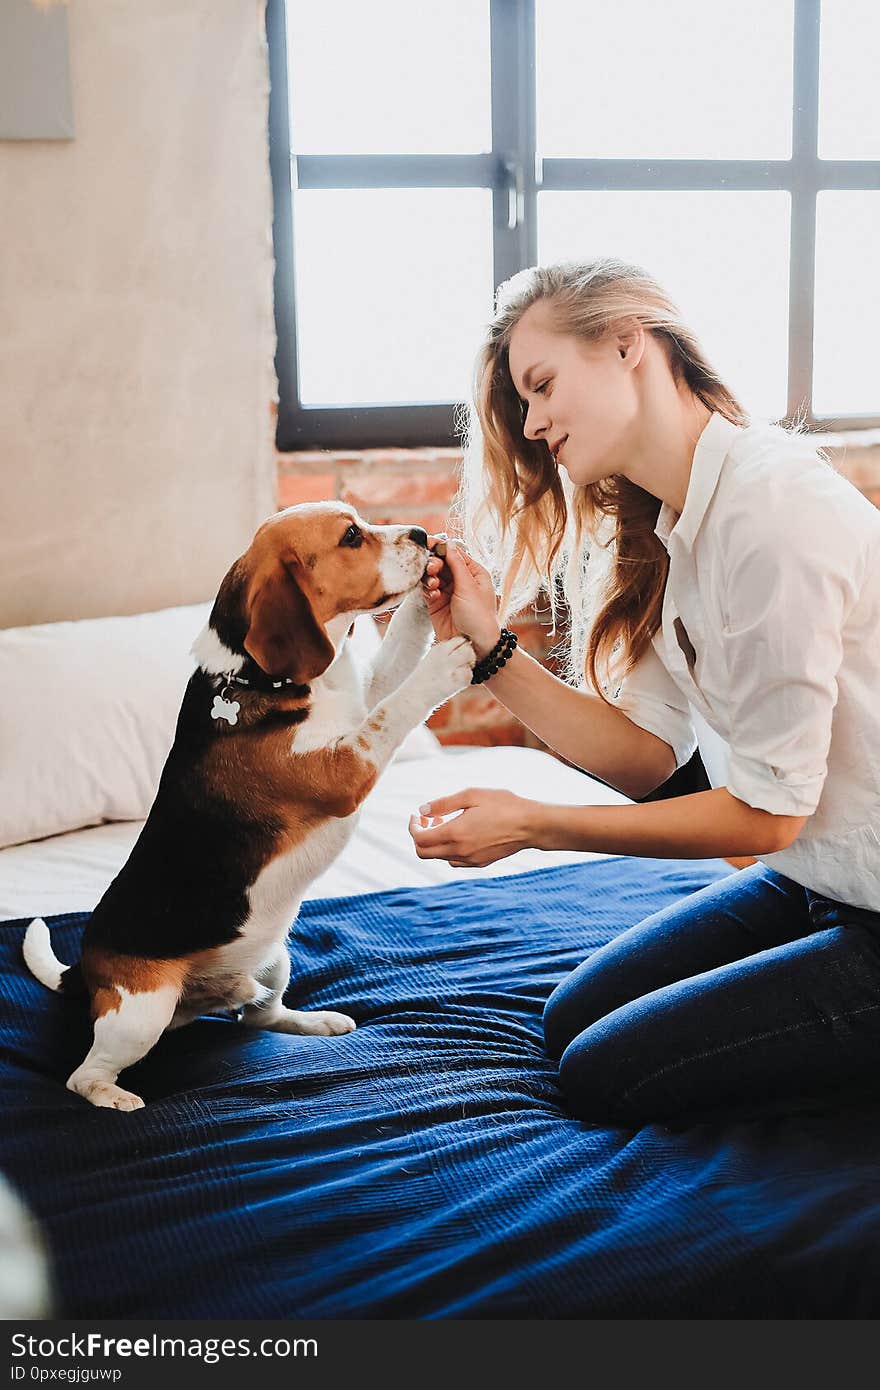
(579, 397)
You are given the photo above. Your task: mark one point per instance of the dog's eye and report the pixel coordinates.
(354, 536)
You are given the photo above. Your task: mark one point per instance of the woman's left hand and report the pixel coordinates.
(492, 825)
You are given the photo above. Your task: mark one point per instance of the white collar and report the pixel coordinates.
(711, 450)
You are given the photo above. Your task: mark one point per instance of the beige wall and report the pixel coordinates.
(136, 328)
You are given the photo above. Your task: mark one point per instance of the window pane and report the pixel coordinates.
(845, 376)
(849, 53)
(723, 258)
(676, 80)
(393, 287)
(391, 77)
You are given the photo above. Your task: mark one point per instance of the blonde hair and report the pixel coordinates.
(531, 527)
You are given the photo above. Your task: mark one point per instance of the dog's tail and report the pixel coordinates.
(42, 961)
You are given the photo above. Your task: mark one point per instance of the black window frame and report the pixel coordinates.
(515, 174)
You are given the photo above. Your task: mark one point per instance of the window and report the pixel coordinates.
(423, 153)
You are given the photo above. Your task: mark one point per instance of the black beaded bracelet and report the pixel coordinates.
(492, 662)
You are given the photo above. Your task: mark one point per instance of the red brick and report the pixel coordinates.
(304, 460)
(479, 706)
(412, 458)
(497, 736)
(293, 488)
(389, 490)
(442, 717)
(432, 522)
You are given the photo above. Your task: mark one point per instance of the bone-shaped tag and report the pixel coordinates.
(225, 709)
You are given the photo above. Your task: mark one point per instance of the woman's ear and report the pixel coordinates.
(284, 637)
(630, 341)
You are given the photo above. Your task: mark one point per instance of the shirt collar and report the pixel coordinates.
(712, 448)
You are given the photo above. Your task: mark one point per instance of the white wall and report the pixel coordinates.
(136, 327)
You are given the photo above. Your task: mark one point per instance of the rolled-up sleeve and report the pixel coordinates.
(789, 588)
(650, 698)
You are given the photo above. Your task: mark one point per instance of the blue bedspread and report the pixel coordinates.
(423, 1166)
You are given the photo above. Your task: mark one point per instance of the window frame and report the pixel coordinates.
(516, 174)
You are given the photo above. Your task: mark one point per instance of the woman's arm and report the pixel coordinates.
(704, 825)
(494, 824)
(582, 728)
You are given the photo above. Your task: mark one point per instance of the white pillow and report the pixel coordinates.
(88, 716)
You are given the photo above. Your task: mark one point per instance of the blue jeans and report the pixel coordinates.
(752, 996)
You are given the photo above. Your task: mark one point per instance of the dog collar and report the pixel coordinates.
(226, 709)
(265, 684)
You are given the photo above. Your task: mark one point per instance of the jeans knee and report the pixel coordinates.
(587, 1079)
(559, 1027)
(581, 999)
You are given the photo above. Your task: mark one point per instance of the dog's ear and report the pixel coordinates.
(284, 637)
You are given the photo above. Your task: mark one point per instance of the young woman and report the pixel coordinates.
(717, 572)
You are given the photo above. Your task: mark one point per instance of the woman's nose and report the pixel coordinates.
(534, 425)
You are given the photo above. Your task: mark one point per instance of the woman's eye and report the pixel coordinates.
(354, 536)
(543, 386)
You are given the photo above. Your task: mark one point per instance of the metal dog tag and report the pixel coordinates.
(225, 709)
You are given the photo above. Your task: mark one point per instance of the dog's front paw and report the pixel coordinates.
(448, 668)
(415, 605)
(412, 614)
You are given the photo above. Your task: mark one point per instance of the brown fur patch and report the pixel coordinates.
(208, 982)
(106, 972)
(265, 778)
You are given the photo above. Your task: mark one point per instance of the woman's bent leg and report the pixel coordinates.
(800, 1019)
(744, 913)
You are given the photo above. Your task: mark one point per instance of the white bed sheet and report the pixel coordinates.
(69, 873)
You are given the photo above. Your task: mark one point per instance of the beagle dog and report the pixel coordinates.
(280, 737)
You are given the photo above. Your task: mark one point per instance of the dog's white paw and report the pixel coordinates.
(448, 668)
(327, 1024)
(316, 1023)
(104, 1094)
(414, 609)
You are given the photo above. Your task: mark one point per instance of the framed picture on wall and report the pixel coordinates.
(35, 100)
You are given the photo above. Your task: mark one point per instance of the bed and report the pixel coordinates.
(423, 1166)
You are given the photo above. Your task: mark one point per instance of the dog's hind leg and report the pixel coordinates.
(275, 1016)
(125, 1030)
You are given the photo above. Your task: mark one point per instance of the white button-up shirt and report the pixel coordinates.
(768, 655)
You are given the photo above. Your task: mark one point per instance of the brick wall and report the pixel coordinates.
(417, 485)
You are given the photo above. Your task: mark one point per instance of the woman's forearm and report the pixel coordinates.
(705, 825)
(582, 728)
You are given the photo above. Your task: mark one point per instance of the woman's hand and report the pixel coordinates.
(492, 825)
(461, 598)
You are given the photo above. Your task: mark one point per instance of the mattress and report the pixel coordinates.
(69, 873)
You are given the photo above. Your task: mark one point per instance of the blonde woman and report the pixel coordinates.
(712, 568)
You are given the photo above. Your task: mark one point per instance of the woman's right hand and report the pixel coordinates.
(461, 598)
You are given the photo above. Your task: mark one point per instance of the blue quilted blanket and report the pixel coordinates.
(423, 1166)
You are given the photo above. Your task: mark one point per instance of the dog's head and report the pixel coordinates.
(306, 566)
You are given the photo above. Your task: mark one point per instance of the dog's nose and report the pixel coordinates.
(419, 536)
